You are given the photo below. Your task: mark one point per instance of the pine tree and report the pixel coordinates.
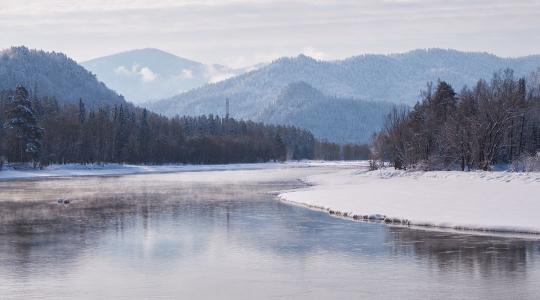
(278, 149)
(122, 135)
(22, 120)
(82, 111)
(2, 134)
(144, 137)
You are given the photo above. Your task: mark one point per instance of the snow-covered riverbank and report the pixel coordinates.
(484, 201)
(70, 170)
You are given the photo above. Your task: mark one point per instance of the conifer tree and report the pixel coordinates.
(2, 134)
(22, 120)
(144, 137)
(121, 135)
(279, 150)
(82, 111)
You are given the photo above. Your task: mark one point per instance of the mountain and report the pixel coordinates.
(150, 74)
(52, 74)
(341, 120)
(396, 78)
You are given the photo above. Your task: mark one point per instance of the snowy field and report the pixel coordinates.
(69, 170)
(482, 201)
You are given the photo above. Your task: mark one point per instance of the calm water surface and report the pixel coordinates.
(164, 236)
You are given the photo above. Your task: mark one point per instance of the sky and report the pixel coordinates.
(245, 32)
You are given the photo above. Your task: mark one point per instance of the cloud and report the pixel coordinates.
(219, 31)
(143, 73)
(147, 75)
(215, 73)
(187, 73)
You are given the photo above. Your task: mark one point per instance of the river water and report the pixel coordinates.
(223, 235)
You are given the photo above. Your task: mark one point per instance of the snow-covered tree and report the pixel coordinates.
(22, 120)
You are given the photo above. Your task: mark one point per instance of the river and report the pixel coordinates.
(224, 235)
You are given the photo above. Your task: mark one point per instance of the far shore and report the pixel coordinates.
(111, 169)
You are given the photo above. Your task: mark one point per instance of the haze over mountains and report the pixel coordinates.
(396, 78)
(151, 74)
(52, 74)
(342, 101)
(341, 120)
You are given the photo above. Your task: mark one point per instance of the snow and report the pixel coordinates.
(69, 170)
(497, 201)
(480, 201)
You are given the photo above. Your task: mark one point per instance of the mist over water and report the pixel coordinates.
(186, 236)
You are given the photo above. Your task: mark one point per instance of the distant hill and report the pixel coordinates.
(52, 74)
(396, 78)
(152, 74)
(339, 120)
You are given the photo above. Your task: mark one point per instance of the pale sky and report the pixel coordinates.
(244, 32)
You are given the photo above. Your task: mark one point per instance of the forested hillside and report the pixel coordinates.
(44, 131)
(53, 74)
(392, 78)
(495, 122)
(340, 120)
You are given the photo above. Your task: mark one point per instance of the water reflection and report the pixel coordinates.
(192, 239)
(489, 256)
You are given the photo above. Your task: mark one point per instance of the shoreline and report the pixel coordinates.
(332, 190)
(404, 223)
(78, 170)
(407, 199)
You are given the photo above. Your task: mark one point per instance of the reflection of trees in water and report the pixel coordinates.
(483, 255)
(36, 233)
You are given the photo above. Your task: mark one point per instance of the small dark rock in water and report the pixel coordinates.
(66, 201)
(60, 201)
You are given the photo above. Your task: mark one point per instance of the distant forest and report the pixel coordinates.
(43, 131)
(496, 122)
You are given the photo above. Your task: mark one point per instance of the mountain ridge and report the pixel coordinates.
(151, 74)
(395, 78)
(53, 74)
(340, 120)
(341, 77)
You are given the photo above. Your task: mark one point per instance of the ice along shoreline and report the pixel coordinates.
(78, 170)
(491, 203)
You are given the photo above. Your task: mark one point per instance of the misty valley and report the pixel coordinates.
(238, 149)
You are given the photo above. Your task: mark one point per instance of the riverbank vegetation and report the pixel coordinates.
(42, 131)
(496, 122)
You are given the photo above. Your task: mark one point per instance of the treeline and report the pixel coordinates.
(43, 131)
(496, 122)
(325, 150)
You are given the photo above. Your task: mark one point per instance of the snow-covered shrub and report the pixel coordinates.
(526, 163)
(373, 165)
(423, 165)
